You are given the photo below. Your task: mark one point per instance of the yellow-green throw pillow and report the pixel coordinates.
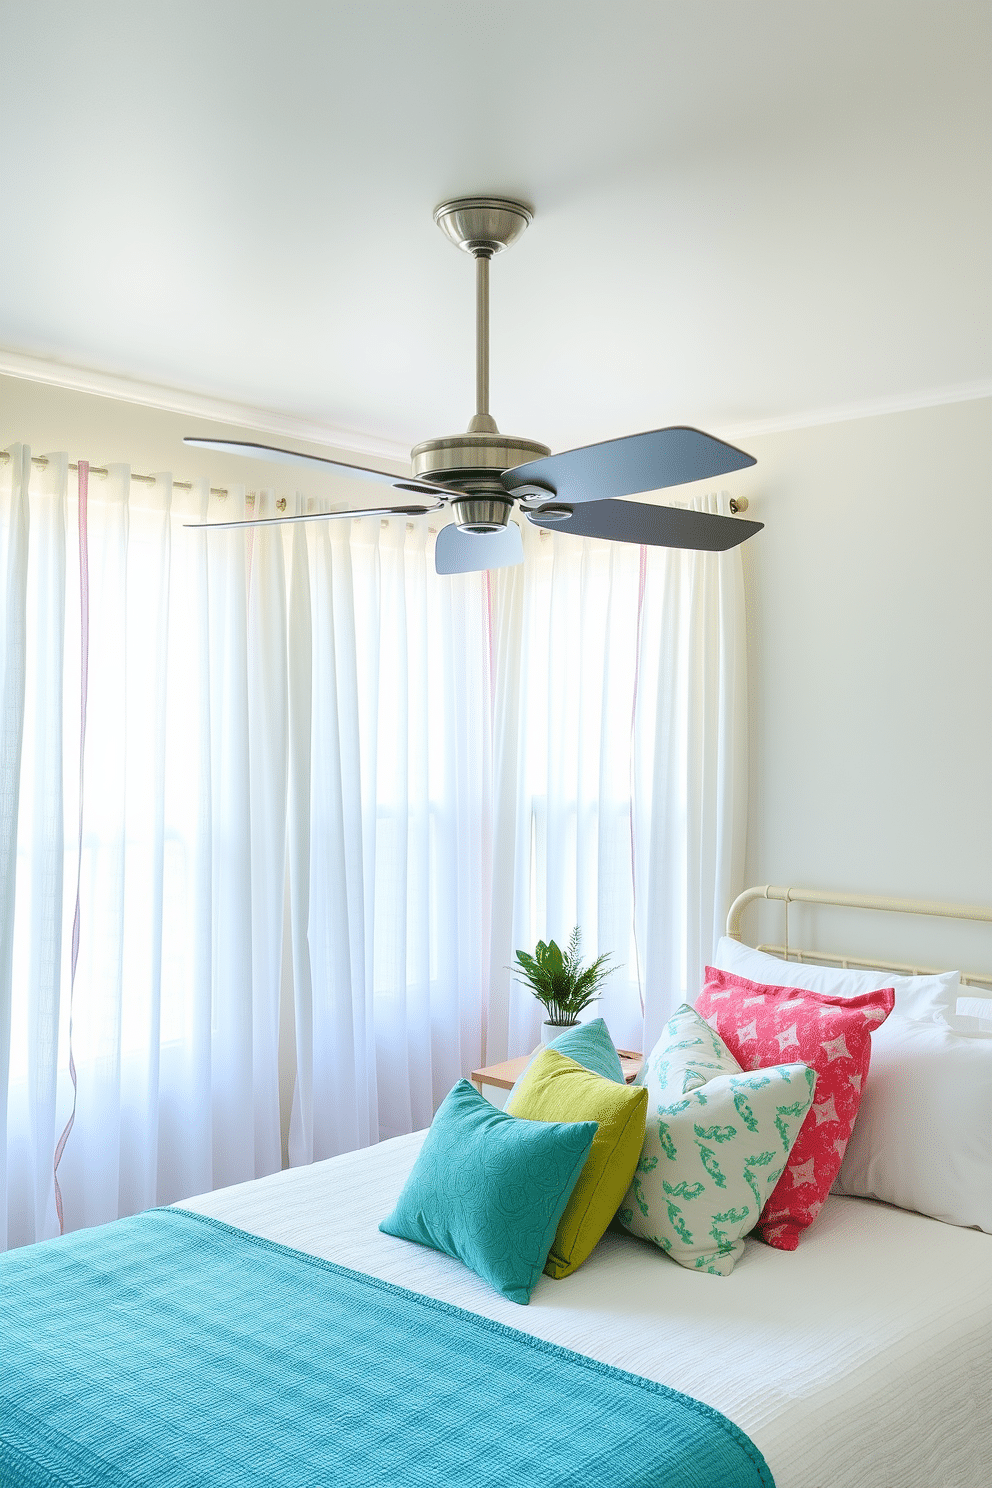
(558, 1089)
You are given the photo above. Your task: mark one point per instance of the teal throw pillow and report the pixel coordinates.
(590, 1045)
(489, 1189)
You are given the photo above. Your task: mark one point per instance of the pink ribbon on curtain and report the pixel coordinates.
(84, 646)
(641, 580)
(487, 617)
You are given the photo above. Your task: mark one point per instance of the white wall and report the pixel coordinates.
(870, 620)
(107, 430)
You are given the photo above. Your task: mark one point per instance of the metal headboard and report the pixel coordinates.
(827, 897)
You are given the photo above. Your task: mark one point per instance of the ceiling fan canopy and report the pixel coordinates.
(482, 476)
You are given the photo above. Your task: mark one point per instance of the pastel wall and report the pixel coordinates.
(870, 665)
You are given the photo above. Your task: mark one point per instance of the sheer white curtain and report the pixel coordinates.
(689, 767)
(565, 695)
(326, 795)
(620, 770)
(285, 840)
(32, 601)
(176, 998)
(389, 843)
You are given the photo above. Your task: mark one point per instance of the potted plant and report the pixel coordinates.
(559, 981)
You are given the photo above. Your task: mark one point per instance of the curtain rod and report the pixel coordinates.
(101, 470)
(149, 480)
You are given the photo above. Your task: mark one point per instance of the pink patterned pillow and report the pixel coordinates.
(763, 1026)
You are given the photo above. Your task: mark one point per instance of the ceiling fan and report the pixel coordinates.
(482, 475)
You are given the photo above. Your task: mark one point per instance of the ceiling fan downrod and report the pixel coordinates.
(473, 462)
(483, 422)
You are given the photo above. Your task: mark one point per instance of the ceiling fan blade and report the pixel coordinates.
(660, 526)
(625, 467)
(294, 457)
(370, 511)
(471, 552)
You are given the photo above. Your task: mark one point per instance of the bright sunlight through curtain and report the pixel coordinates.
(620, 770)
(326, 794)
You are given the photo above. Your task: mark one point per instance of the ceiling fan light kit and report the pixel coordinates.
(481, 475)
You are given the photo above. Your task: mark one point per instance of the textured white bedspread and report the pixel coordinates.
(861, 1360)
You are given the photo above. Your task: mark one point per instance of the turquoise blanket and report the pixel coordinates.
(172, 1350)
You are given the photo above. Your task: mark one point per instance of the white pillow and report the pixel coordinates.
(976, 1007)
(916, 997)
(973, 1017)
(923, 1137)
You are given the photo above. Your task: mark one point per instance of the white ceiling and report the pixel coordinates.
(746, 210)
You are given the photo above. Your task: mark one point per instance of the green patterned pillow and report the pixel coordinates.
(717, 1142)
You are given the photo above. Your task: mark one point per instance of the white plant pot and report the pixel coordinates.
(550, 1031)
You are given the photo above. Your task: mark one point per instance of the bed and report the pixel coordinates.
(863, 1359)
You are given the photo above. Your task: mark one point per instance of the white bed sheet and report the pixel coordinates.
(861, 1360)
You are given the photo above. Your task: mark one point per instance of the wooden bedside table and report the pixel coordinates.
(504, 1076)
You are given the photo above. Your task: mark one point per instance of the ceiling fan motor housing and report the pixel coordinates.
(472, 464)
